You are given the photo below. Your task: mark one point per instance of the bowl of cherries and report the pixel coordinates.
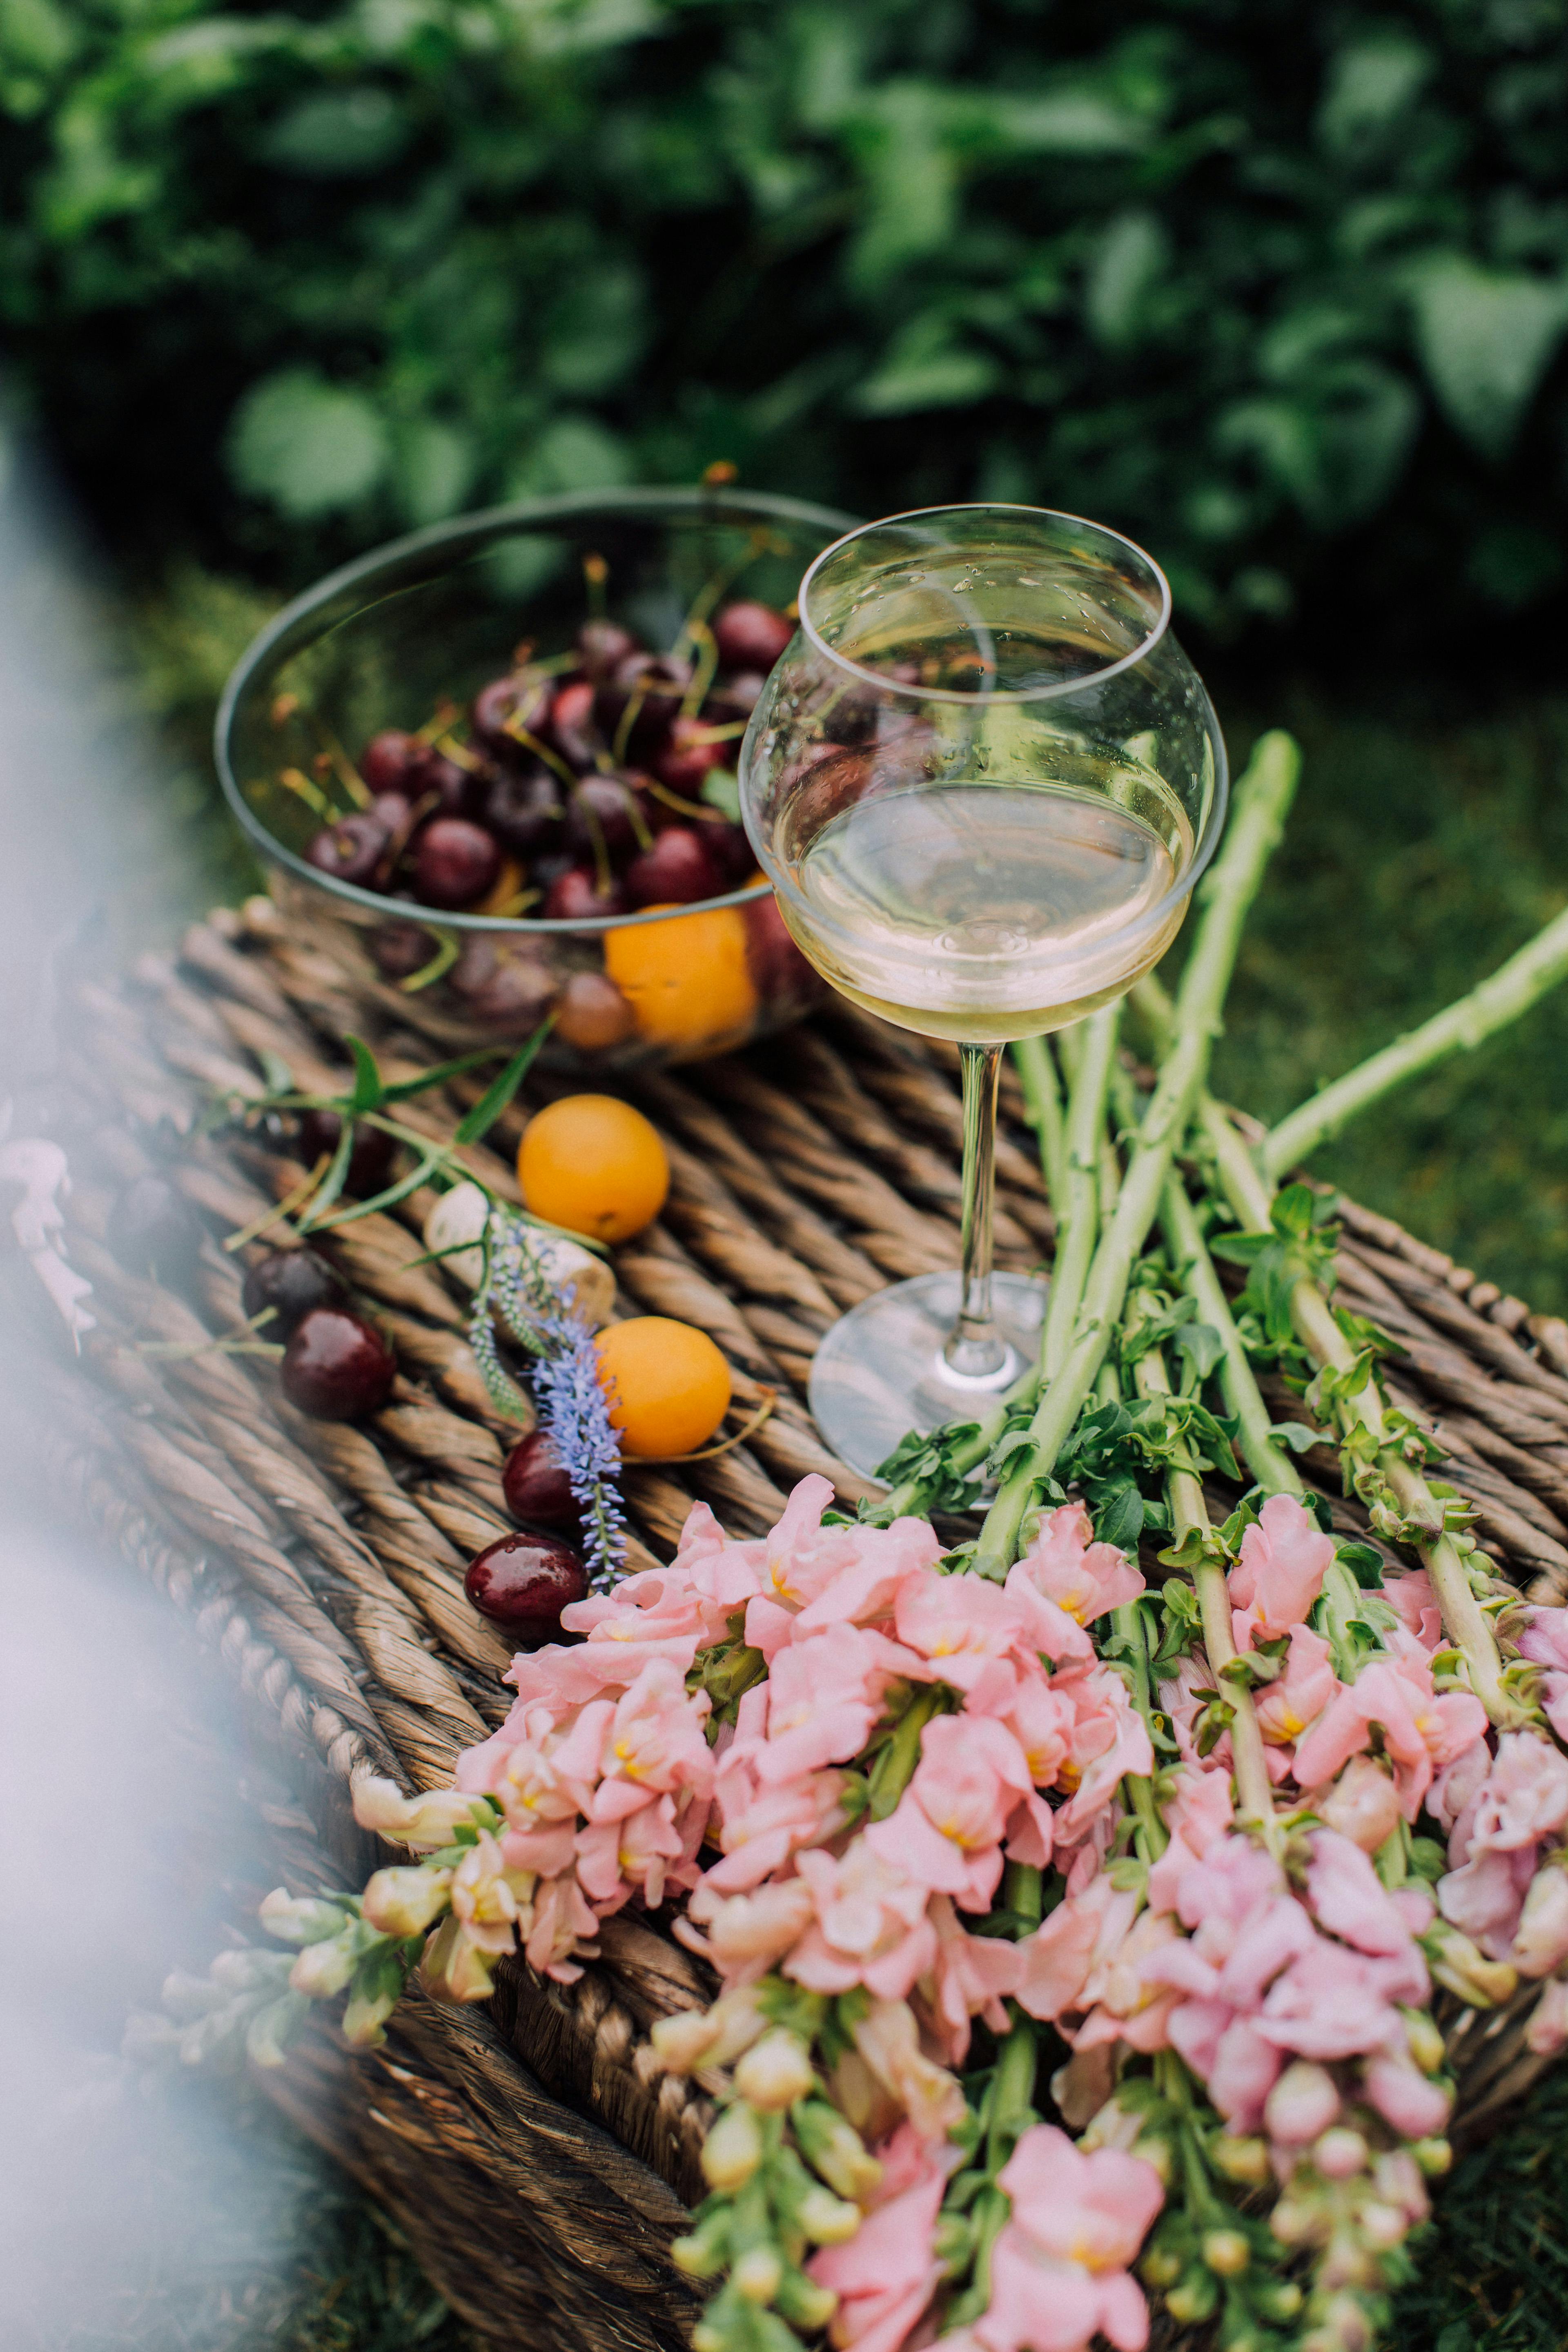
(491, 772)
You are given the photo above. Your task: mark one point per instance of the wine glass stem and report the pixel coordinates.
(976, 1349)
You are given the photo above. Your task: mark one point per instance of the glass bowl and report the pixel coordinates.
(388, 641)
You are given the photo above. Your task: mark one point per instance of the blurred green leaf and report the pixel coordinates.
(306, 445)
(339, 135)
(1487, 340)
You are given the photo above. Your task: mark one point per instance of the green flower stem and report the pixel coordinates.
(1189, 1514)
(1464, 1620)
(1023, 1891)
(1012, 2089)
(1461, 1027)
(1078, 1216)
(1137, 1788)
(1262, 798)
(1270, 1464)
(1043, 1102)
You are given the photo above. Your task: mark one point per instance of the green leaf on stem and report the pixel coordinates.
(368, 1091)
(498, 1096)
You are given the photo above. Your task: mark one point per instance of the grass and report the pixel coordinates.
(1430, 839)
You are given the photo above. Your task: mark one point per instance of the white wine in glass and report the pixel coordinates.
(983, 781)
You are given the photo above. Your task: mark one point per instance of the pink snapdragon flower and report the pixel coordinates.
(761, 1827)
(824, 1696)
(1544, 1642)
(650, 1743)
(1349, 1900)
(1495, 1840)
(1110, 1740)
(1059, 2272)
(747, 1935)
(1198, 1815)
(960, 1623)
(1484, 1898)
(1058, 1956)
(971, 1976)
(815, 1577)
(869, 1925)
(1409, 1592)
(1422, 1729)
(888, 2043)
(886, 2274)
(1547, 2032)
(1363, 1804)
(1540, 1940)
(948, 1828)
(1286, 1707)
(1284, 1558)
(1523, 1797)
(1085, 1577)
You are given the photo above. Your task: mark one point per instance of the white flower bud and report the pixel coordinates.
(1340, 2154)
(404, 1902)
(1542, 1941)
(683, 2041)
(1383, 2226)
(322, 1969)
(1245, 2161)
(827, 2220)
(1303, 2103)
(758, 2275)
(299, 1919)
(1424, 2039)
(733, 2150)
(776, 2071)
(428, 1820)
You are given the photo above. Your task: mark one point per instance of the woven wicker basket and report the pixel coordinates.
(536, 2157)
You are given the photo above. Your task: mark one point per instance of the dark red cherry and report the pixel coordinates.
(370, 1161)
(535, 1484)
(401, 950)
(780, 973)
(522, 1582)
(678, 870)
(519, 700)
(572, 725)
(732, 853)
(455, 862)
(735, 698)
(455, 788)
(603, 809)
(688, 753)
(523, 811)
(337, 1366)
(383, 763)
(502, 982)
(351, 849)
(393, 810)
(650, 686)
(575, 897)
(154, 1230)
(293, 1283)
(751, 636)
(602, 645)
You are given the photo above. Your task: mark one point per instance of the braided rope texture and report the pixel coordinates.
(536, 2156)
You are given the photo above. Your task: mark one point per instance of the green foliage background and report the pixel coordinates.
(1247, 278)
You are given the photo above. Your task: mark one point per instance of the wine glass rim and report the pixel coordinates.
(1051, 692)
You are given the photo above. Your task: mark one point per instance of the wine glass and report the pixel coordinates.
(983, 781)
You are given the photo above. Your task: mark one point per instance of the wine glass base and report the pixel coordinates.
(879, 1371)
